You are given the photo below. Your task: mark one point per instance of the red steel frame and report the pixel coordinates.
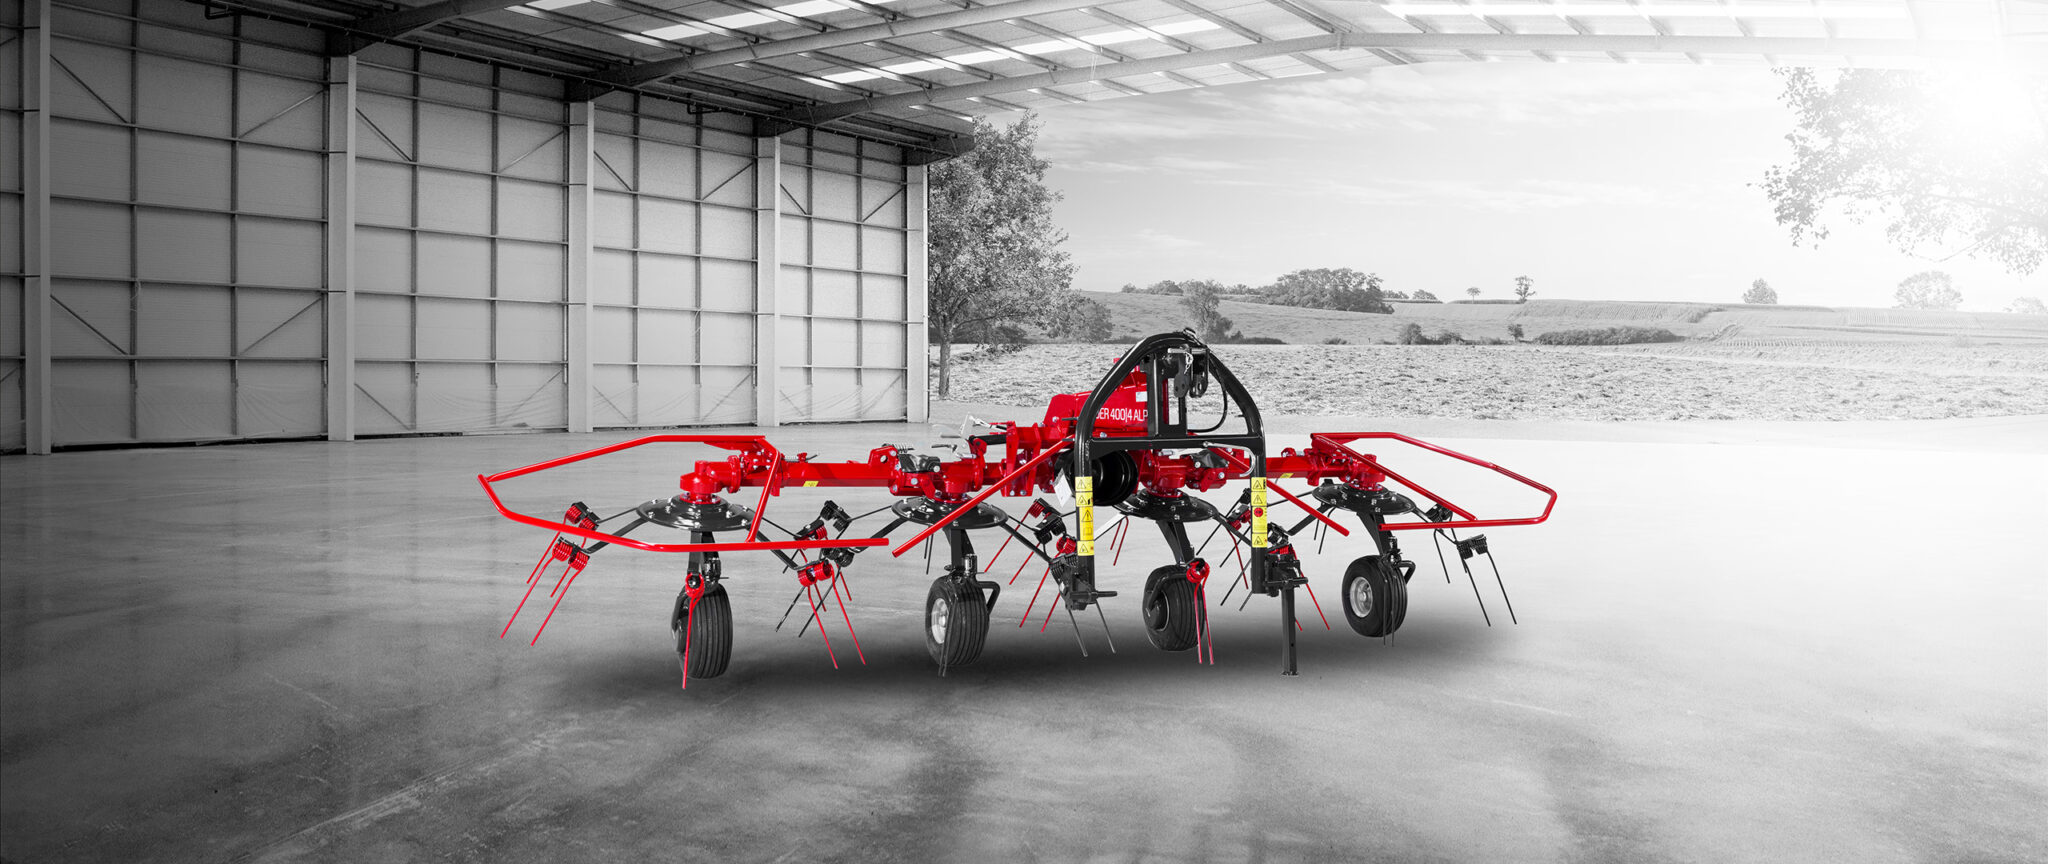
(1329, 456)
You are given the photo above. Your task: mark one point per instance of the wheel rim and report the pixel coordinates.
(1361, 598)
(940, 612)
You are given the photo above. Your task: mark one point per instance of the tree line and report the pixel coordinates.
(1340, 289)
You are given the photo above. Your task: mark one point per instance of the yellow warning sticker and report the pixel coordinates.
(809, 483)
(1084, 498)
(1259, 512)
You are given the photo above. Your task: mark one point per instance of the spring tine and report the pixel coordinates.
(562, 579)
(991, 565)
(545, 557)
(1105, 628)
(1205, 540)
(1318, 605)
(809, 590)
(1437, 537)
(571, 575)
(1475, 591)
(927, 557)
(1034, 596)
(792, 608)
(1120, 520)
(1020, 570)
(522, 605)
(1049, 609)
(1503, 589)
(1077, 631)
(849, 624)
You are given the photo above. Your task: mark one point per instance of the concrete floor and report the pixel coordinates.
(1796, 650)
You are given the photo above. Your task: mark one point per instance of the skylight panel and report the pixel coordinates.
(973, 58)
(674, 32)
(546, 5)
(1660, 10)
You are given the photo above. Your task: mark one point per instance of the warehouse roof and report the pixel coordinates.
(915, 70)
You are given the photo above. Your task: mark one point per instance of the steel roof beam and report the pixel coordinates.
(636, 75)
(392, 25)
(1531, 42)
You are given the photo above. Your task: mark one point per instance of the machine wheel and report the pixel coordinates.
(710, 636)
(1169, 606)
(1374, 601)
(955, 622)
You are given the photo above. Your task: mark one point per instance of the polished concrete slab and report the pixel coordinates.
(1761, 651)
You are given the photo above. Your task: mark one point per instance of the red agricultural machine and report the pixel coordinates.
(1126, 445)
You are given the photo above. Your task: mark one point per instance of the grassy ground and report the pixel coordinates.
(1737, 363)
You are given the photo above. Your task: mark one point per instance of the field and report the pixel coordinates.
(1736, 363)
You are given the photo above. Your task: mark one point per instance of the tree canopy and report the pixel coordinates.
(1760, 293)
(1954, 162)
(1201, 298)
(1929, 289)
(1342, 289)
(994, 251)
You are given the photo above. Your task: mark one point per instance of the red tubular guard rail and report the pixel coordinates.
(1336, 440)
(739, 443)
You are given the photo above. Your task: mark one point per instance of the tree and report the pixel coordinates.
(1952, 162)
(1525, 288)
(1515, 330)
(1083, 320)
(1130, 288)
(1421, 294)
(1760, 293)
(1342, 289)
(1164, 286)
(1473, 292)
(1200, 298)
(2028, 306)
(1930, 289)
(993, 249)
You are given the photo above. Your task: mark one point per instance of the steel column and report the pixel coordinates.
(582, 155)
(341, 249)
(917, 261)
(767, 269)
(35, 224)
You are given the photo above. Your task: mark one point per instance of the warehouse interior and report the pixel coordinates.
(371, 239)
(272, 219)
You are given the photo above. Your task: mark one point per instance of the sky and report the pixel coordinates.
(1599, 181)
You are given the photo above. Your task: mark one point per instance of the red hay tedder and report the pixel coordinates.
(1132, 432)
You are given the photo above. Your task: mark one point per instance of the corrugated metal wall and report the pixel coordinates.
(13, 435)
(186, 225)
(672, 272)
(842, 295)
(190, 199)
(461, 246)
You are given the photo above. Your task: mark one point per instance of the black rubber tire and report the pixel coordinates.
(1384, 597)
(958, 640)
(710, 648)
(1172, 618)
